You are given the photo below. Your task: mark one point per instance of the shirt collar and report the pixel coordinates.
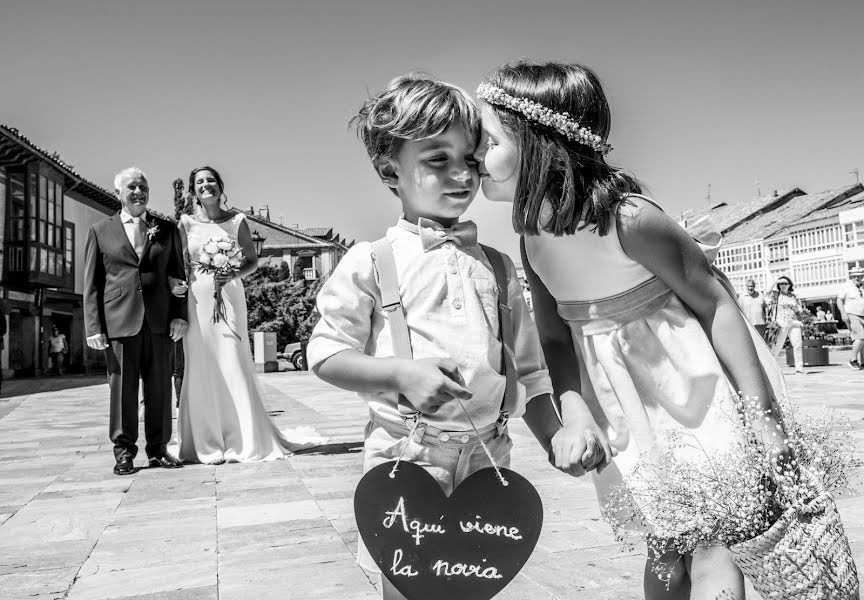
(407, 225)
(125, 217)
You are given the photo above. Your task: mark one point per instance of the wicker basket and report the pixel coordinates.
(805, 555)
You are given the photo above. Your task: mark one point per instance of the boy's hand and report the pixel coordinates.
(428, 383)
(578, 448)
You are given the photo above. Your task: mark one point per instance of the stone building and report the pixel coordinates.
(313, 251)
(48, 210)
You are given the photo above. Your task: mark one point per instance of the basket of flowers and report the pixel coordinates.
(781, 525)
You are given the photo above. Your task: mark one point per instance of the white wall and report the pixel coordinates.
(83, 217)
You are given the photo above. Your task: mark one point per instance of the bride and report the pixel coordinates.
(222, 415)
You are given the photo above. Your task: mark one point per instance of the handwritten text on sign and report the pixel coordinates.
(469, 545)
(418, 529)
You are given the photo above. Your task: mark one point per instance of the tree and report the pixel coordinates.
(179, 199)
(277, 303)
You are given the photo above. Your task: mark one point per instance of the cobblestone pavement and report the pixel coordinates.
(71, 529)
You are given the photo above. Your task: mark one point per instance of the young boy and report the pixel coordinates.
(420, 134)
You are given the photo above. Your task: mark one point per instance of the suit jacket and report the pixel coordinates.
(120, 290)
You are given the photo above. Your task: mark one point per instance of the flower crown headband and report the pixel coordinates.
(534, 111)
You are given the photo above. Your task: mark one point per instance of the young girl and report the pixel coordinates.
(785, 306)
(620, 289)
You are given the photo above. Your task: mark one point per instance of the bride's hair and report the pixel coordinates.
(193, 196)
(572, 179)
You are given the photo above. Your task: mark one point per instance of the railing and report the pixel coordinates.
(310, 274)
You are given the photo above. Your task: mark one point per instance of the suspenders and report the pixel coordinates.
(388, 282)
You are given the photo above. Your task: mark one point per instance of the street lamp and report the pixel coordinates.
(258, 239)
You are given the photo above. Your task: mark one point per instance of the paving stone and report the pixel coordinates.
(38, 583)
(96, 584)
(201, 593)
(37, 555)
(257, 514)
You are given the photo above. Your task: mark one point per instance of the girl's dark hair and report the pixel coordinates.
(581, 188)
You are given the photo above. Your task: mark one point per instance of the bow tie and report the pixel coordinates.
(434, 234)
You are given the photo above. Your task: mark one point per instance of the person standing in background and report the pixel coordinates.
(787, 310)
(753, 306)
(850, 301)
(57, 350)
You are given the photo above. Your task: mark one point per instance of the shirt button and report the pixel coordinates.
(444, 437)
(453, 270)
(457, 305)
(465, 438)
(139, 290)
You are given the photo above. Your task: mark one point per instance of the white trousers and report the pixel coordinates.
(792, 330)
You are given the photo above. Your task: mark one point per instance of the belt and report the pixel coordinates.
(430, 435)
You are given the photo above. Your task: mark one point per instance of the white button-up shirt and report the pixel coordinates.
(450, 298)
(130, 223)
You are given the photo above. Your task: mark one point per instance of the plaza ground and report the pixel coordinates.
(71, 529)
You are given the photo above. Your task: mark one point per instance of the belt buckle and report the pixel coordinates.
(412, 421)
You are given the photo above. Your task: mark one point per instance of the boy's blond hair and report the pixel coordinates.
(413, 107)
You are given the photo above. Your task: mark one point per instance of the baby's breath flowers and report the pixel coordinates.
(681, 497)
(561, 122)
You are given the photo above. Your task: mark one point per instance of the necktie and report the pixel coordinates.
(138, 235)
(433, 234)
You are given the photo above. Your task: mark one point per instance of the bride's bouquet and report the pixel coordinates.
(781, 526)
(220, 257)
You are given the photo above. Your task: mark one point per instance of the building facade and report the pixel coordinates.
(310, 253)
(815, 239)
(48, 210)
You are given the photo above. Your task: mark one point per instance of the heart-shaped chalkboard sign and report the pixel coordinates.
(429, 546)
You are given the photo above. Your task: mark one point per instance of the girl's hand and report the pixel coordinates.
(579, 447)
(771, 436)
(429, 383)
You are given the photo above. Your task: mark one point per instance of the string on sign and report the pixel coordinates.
(485, 449)
(410, 437)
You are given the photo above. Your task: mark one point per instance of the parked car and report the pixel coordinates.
(294, 353)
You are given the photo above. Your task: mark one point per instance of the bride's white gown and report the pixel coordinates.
(222, 416)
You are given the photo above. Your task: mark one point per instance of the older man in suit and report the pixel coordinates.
(130, 313)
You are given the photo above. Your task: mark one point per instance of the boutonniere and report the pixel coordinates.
(151, 231)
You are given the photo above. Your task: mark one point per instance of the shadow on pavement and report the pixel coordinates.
(35, 385)
(341, 448)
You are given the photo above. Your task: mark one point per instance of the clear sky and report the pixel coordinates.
(727, 93)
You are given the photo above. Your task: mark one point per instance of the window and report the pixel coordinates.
(17, 222)
(49, 223)
(816, 239)
(69, 254)
(779, 251)
(35, 243)
(854, 234)
(820, 272)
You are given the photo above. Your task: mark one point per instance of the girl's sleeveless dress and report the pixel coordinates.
(647, 366)
(222, 415)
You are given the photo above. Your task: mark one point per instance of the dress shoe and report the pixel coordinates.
(124, 466)
(166, 461)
